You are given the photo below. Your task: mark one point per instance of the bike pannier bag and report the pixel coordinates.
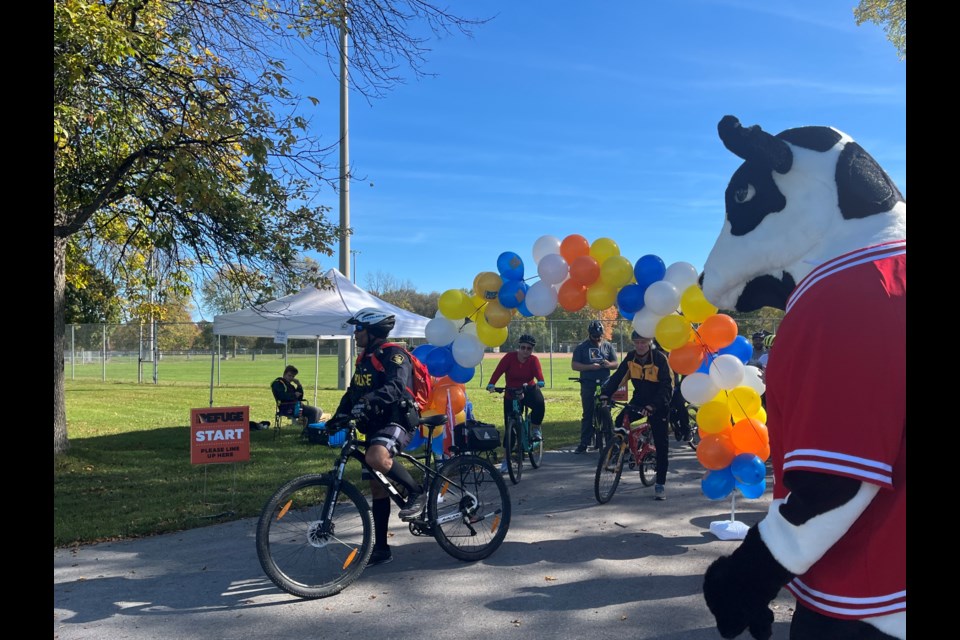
(476, 436)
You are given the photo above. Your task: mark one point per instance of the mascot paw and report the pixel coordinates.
(732, 605)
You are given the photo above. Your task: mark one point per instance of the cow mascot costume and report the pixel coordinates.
(815, 227)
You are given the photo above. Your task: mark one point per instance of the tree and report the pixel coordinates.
(891, 15)
(177, 141)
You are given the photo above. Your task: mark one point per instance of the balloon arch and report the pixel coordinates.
(664, 302)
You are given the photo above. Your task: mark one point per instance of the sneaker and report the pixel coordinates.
(537, 435)
(503, 467)
(581, 449)
(380, 555)
(659, 493)
(414, 507)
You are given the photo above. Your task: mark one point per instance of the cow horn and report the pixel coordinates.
(755, 145)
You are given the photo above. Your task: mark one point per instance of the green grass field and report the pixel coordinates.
(128, 471)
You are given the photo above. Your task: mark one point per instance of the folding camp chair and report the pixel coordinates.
(290, 412)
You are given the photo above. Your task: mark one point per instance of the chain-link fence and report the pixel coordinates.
(142, 352)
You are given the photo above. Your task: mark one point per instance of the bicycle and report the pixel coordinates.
(315, 533)
(602, 420)
(632, 445)
(692, 437)
(516, 436)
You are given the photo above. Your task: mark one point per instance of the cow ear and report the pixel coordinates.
(863, 188)
(753, 144)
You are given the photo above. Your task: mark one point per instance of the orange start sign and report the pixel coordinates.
(219, 434)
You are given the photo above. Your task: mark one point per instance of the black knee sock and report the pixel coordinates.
(381, 516)
(399, 473)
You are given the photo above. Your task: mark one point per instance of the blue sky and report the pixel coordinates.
(597, 119)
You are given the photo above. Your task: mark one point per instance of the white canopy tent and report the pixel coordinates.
(315, 313)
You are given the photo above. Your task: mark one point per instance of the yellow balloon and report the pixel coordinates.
(490, 336)
(459, 418)
(604, 248)
(713, 417)
(601, 296)
(616, 271)
(497, 315)
(452, 304)
(694, 305)
(437, 430)
(673, 331)
(761, 415)
(487, 285)
(744, 402)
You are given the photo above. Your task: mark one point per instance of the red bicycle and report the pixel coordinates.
(631, 446)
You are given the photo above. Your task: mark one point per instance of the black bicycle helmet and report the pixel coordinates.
(759, 335)
(595, 328)
(527, 339)
(378, 323)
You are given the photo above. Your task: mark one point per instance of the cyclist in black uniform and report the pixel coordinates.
(652, 380)
(385, 411)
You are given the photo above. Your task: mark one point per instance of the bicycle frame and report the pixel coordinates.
(600, 410)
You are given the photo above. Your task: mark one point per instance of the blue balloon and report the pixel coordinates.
(523, 306)
(510, 266)
(717, 484)
(461, 374)
(416, 441)
(649, 269)
(740, 347)
(512, 293)
(630, 298)
(748, 469)
(627, 315)
(753, 491)
(422, 351)
(440, 361)
(707, 361)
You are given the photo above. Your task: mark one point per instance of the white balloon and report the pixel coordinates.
(469, 328)
(467, 350)
(440, 331)
(753, 379)
(661, 297)
(541, 299)
(682, 275)
(553, 268)
(697, 388)
(544, 246)
(726, 371)
(645, 322)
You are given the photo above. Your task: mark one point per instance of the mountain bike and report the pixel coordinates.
(631, 446)
(517, 441)
(315, 533)
(691, 437)
(602, 420)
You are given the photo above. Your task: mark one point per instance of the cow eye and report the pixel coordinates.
(744, 194)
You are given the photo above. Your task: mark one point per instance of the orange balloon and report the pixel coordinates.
(572, 296)
(716, 450)
(458, 399)
(750, 436)
(574, 246)
(686, 359)
(717, 331)
(585, 270)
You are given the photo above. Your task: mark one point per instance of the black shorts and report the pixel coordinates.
(392, 436)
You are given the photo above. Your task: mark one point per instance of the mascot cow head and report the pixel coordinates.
(800, 198)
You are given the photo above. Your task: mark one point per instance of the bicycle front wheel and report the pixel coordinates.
(302, 553)
(513, 451)
(609, 469)
(648, 468)
(469, 508)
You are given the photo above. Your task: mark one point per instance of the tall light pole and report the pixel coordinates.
(353, 254)
(345, 346)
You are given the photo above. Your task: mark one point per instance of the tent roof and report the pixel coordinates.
(314, 313)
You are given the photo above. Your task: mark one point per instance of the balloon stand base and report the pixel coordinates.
(729, 529)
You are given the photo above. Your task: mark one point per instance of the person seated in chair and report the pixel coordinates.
(288, 392)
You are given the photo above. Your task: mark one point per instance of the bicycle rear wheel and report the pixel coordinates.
(536, 454)
(513, 451)
(469, 513)
(648, 468)
(305, 556)
(609, 469)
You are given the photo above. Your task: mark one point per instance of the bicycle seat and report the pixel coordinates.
(434, 421)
